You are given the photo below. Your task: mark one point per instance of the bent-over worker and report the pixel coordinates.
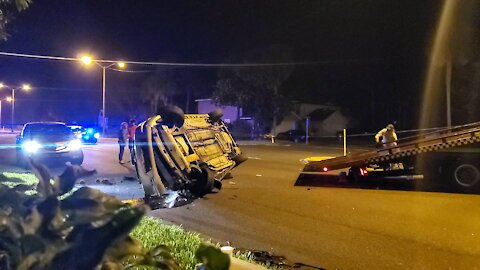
(389, 137)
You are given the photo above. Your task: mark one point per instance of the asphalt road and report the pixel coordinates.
(335, 228)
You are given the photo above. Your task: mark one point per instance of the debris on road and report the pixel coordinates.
(105, 181)
(267, 258)
(129, 178)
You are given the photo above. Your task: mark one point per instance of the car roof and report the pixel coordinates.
(45, 123)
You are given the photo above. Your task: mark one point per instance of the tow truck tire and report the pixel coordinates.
(354, 175)
(465, 176)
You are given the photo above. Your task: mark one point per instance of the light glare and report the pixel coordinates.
(31, 146)
(87, 60)
(74, 145)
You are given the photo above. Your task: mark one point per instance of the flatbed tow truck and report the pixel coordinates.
(449, 156)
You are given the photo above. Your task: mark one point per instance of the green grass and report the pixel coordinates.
(182, 244)
(12, 179)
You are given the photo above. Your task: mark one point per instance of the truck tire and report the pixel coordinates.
(465, 176)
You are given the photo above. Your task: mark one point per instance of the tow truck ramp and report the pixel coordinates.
(407, 147)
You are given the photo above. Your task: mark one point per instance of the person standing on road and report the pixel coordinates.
(122, 140)
(131, 138)
(389, 137)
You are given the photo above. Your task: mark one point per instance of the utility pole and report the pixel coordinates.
(13, 107)
(103, 101)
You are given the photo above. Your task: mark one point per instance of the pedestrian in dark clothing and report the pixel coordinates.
(122, 140)
(131, 138)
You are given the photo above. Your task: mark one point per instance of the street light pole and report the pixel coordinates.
(0, 113)
(13, 107)
(25, 87)
(104, 69)
(87, 60)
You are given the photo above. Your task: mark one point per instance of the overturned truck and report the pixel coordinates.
(184, 152)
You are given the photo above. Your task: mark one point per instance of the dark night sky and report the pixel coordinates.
(387, 39)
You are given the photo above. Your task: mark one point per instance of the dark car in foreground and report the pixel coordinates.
(48, 142)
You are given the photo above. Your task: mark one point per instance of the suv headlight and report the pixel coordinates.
(31, 146)
(74, 145)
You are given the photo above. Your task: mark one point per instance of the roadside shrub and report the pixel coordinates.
(57, 228)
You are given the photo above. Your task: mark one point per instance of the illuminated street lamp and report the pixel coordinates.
(25, 87)
(87, 60)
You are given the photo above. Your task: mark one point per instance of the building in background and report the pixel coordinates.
(230, 113)
(324, 120)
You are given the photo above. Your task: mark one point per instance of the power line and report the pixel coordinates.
(62, 58)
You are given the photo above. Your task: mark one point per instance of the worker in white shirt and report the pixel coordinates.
(388, 135)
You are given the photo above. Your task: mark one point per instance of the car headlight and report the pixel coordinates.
(96, 135)
(31, 146)
(89, 130)
(74, 145)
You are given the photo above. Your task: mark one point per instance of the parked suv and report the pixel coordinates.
(48, 142)
(190, 152)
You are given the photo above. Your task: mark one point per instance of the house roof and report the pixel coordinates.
(320, 114)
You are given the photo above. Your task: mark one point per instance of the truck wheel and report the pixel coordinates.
(466, 176)
(354, 175)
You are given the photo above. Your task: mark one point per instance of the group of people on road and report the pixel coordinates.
(126, 136)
